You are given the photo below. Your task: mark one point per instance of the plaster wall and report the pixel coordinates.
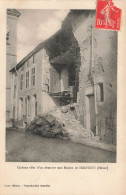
(31, 91)
(50, 83)
(98, 50)
(11, 59)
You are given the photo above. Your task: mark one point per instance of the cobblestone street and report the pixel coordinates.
(22, 147)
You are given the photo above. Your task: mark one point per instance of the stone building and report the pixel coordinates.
(77, 64)
(11, 53)
(97, 95)
(41, 81)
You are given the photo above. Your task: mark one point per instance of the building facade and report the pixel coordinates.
(97, 95)
(27, 88)
(11, 53)
(77, 64)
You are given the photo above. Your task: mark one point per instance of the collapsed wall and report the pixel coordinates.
(82, 59)
(97, 94)
(93, 57)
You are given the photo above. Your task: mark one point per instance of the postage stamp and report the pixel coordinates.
(108, 16)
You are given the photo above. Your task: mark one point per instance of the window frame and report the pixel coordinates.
(101, 97)
(33, 76)
(21, 81)
(27, 79)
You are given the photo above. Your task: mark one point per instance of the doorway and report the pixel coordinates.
(91, 116)
(33, 106)
(20, 108)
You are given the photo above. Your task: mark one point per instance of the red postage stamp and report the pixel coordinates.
(108, 16)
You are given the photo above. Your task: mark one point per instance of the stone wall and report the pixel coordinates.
(31, 92)
(105, 59)
(82, 32)
(48, 84)
(95, 68)
(98, 50)
(38, 94)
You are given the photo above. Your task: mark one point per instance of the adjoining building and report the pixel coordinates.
(43, 80)
(11, 55)
(77, 64)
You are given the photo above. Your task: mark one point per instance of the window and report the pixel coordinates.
(27, 106)
(101, 92)
(27, 79)
(33, 76)
(21, 82)
(35, 96)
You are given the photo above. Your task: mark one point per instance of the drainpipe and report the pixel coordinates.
(95, 89)
(16, 98)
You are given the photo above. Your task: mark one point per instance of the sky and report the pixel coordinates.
(35, 26)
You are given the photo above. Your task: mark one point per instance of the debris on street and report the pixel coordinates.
(60, 123)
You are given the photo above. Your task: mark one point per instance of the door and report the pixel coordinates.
(91, 116)
(20, 109)
(33, 107)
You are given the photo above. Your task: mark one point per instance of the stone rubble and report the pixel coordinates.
(61, 123)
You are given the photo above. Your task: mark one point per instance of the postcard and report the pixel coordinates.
(62, 116)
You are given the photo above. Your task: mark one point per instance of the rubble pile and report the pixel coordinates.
(61, 122)
(46, 126)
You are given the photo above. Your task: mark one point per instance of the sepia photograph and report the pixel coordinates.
(61, 86)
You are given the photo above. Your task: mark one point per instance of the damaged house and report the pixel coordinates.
(78, 65)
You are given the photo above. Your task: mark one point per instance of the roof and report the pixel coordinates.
(13, 12)
(59, 43)
(35, 50)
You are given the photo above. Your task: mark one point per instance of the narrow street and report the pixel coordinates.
(23, 147)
